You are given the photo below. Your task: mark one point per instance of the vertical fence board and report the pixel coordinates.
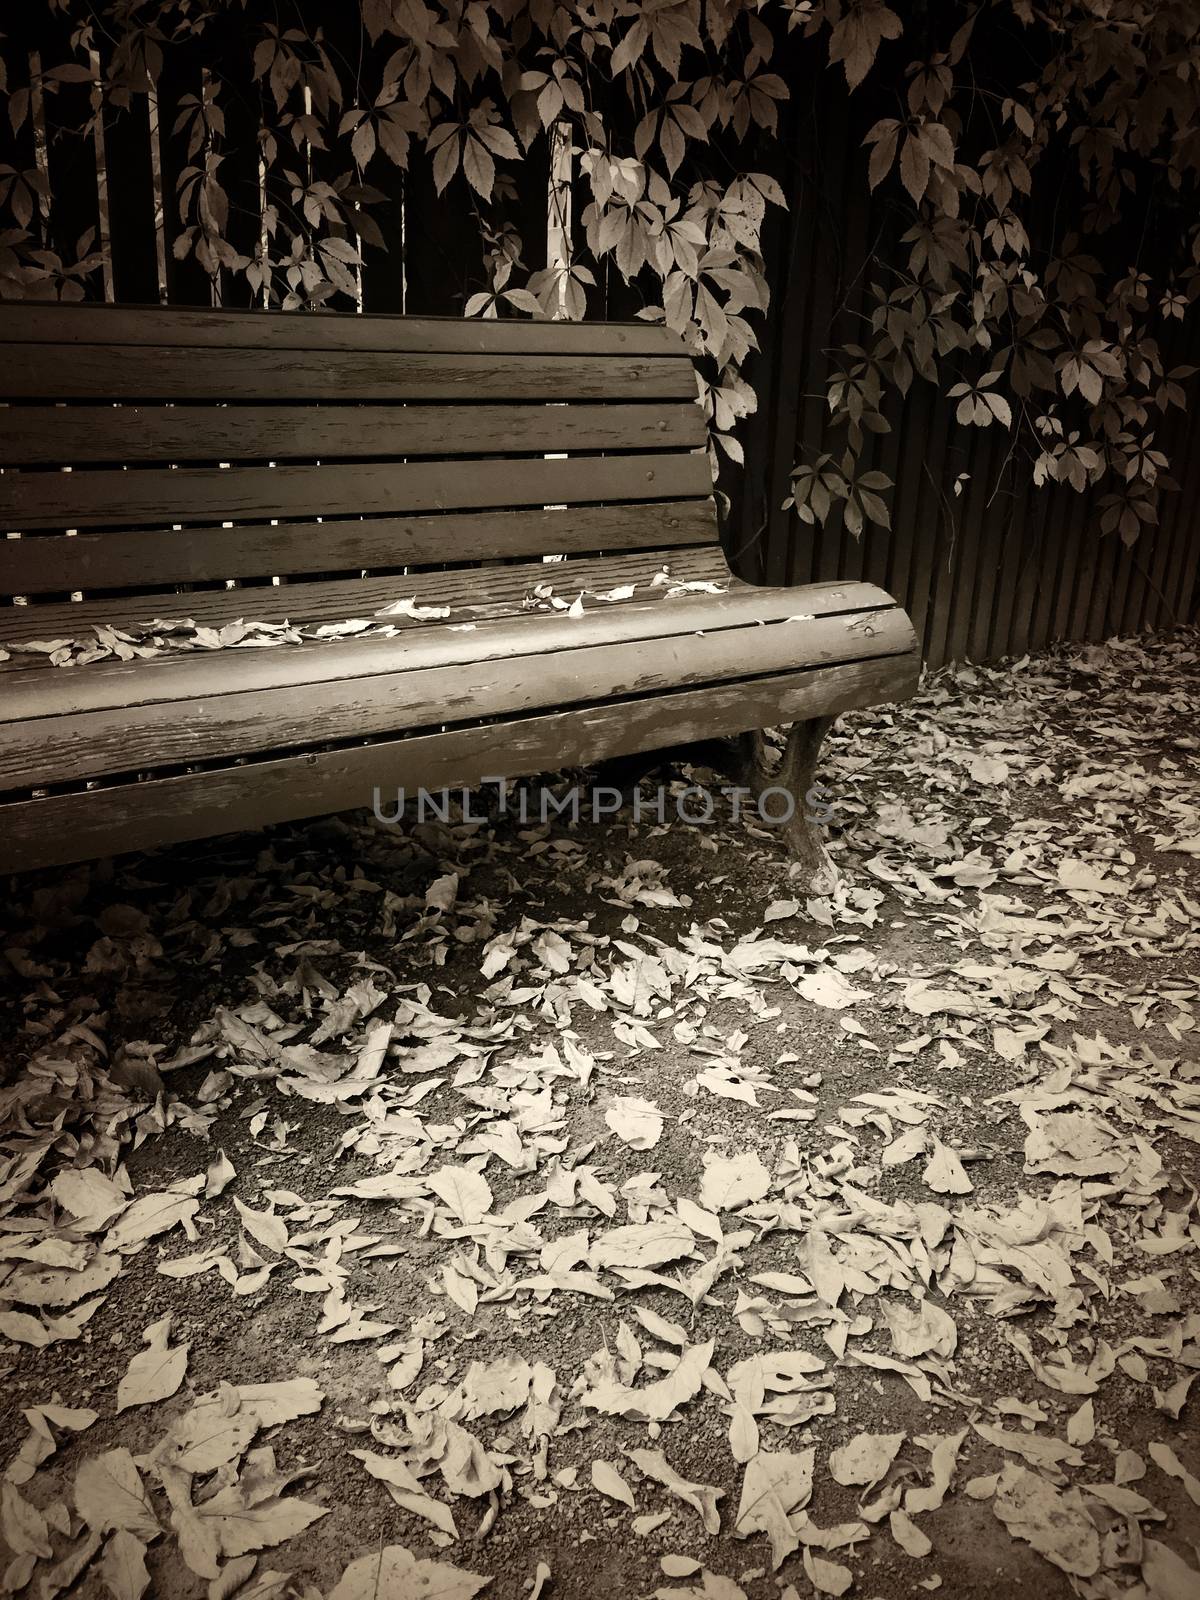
(947, 556)
(1036, 581)
(445, 264)
(239, 97)
(753, 496)
(1116, 571)
(17, 147)
(131, 201)
(1097, 560)
(1158, 613)
(785, 559)
(910, 428)
(1005, 623)
(187, 282)
(384, 269)
(828, 273)
(972, 550)
(930, 527)
(859, 228)
(529, 211)
(1177, 508)
(880, 544)
(792, 558)
(1050, 542)
(1183, 584)
(70, 148)
(1063, 528)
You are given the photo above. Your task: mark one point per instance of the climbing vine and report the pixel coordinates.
(1038, 164)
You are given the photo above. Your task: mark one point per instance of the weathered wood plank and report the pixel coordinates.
(145, 558)
(74, 435)
(316, 330)
(54, 831)
(163, 496)
(459, 588)
(520, 675)
(874, 627)
(460, 595)
(266, 371)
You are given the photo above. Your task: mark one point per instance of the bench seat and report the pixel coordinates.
(637, 638)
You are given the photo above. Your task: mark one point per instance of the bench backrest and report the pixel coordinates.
(333, 444)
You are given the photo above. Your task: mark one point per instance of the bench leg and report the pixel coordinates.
(795, 773)
(749, 761)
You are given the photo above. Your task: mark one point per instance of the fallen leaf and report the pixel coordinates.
(406, 1490)
(637, 1123)
(863, 1460)
(702, 1497)
(829, 1577)
(653, 1402)
(156, 1372)
(1054, 1522)
(109, 1494)
(1165, 1458)
(466, 1192)
(775, 1484)
(221, 1173)
(945, 1173)
(148, 1216)
(123, 1566)
(907, 1535)
(395, 1571)
(89, 1196)
(609, 1481)
(732, 1181)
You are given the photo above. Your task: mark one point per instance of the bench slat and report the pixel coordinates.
(317, 330)
(73, 435)
(315, 601)
(59, 829)
(146, 558)
(522, 672)
(210, 494)
(866, 629)
(269, 372)
(459, 596)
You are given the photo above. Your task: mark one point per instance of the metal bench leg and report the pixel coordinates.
(795, 773)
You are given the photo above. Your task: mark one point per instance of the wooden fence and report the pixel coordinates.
(984, 572)
(119, 179)
(988, 571)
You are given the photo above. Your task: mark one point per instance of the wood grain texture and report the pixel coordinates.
(149, 558)
(461, 595)
(57, 830)
(874, 628)
(459, 588)
(162, 496)
(27, 322)
(228, 722)
(37, 435)
(267, 371)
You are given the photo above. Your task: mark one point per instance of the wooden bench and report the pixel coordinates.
(320, 469)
